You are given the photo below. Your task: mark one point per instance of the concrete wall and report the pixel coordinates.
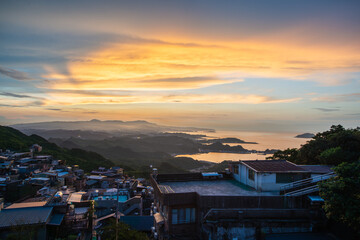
(268, 182)
(252, 230)
(243, 176)
(262, 181)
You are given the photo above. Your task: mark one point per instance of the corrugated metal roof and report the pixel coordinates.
(24, 216)
(273, 166)
(27, 204)
(76, 197)
(317, 168)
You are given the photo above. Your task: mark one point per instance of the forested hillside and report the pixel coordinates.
(15, 140)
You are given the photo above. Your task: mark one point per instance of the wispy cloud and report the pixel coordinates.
(161, 97)
(12, 73)
(351, 97)
(328, 109)
(134, 63)
(15, 95)
(25, 104)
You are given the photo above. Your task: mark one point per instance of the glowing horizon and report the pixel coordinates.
(245, 65)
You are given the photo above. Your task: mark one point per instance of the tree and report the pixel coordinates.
(342, 195)
(124, 232)
(289, 154)
(331, 147)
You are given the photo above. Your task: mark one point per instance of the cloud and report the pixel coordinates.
(328, 109)
(9, 105)
(351, 97)
(14, 95)
(25, 104)
(104, 93)
(135, 63)
(14, 73)
(76, 98)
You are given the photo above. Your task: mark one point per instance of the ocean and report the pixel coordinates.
(265, 140)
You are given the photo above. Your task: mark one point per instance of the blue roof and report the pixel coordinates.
(24, 216)
(316, 199)
(61, 174)
(140, 223)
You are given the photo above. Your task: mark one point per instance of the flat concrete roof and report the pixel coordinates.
(213, 188)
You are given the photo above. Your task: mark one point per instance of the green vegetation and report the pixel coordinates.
(135, 153)
(124, 232)
(331, 147)
(342, 195)
(339, 147)
(15, 140)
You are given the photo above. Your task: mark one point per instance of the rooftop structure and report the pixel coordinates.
(212, 188)
(192, 206)
(273, 166)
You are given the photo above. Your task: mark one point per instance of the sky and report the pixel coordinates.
(228, 65)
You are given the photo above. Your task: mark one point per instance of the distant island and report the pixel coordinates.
(228, 140)
(305, 135)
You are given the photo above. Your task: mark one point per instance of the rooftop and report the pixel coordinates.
(30, 215)
(212, 188)
(26, 204)
(273, 166)
(317, 168)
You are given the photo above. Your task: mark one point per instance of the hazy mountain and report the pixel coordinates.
(114, 126)
(17, 141)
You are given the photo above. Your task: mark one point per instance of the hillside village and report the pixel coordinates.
(42, 197)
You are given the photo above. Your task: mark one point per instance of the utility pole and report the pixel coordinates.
(116, 213)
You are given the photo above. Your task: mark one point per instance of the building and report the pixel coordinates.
(31, 221)
(232, 205)
(268, 175)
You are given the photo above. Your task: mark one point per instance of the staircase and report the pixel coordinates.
(132, 204)
(305, 186)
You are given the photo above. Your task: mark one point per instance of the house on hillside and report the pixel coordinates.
(271, 175)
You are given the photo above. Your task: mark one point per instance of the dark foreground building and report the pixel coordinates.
(216, 206)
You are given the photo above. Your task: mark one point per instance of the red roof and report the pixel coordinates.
(273, 166)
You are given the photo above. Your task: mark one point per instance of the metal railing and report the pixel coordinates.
(303, 191)
(306, 182)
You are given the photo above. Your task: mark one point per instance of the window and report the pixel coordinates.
(183, 215)
(174, 216)
(188, 215)
(251, 174)
(236, 169)
(192, 215)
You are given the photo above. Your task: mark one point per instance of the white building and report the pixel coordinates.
(268, 175)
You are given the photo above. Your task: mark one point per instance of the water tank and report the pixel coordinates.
(58, 196)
